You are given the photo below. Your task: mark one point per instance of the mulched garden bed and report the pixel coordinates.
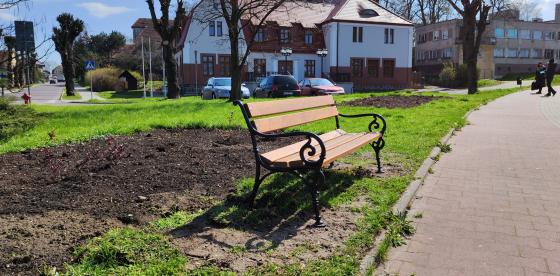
(52, 199)
(393, 101)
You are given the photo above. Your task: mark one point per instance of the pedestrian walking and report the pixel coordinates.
(550, 71)
(540, 78)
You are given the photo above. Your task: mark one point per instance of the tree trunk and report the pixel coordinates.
(68, 69)
(173, 91)
(470, 54)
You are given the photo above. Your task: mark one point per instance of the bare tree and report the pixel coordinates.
(405, 8)
(433, 11)
(64, 38)
(244, 18)
(475, 19)
(169, 34)
(527, 9)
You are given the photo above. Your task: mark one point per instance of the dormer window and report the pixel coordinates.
(368, 13)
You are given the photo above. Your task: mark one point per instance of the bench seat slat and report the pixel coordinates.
(336, 147)
(294, 119)
(289, 150)
(289, 105)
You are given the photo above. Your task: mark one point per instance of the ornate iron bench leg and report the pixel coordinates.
(377, 146)
(320, 178)
(258, 181)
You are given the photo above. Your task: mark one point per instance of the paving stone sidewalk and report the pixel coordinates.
(492, 205)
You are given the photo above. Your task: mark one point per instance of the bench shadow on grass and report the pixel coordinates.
(282, 208)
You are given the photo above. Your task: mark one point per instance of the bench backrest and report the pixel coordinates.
(280, 114)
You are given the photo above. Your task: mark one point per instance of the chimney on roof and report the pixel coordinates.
(557, 13)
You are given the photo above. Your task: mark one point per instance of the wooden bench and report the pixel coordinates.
(314, 152)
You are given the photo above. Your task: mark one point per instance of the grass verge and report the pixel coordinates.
(77, 96)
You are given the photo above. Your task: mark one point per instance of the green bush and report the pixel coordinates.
(453, 76)
(107, 79)
(14, 119)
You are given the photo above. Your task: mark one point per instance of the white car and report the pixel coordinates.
(221, 88)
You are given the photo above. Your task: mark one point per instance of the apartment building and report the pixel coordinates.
(367, 45)
(509, 45)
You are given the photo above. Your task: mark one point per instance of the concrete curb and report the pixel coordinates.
(408, 195)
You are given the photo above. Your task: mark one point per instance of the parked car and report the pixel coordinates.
(60, 79)
(277, 86)
(319, 86)
(220, 88)
(52, 80)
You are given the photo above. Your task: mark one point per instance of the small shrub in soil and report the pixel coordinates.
(128, 251)
(15, 119)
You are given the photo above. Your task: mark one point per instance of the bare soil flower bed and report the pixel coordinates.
(393, 101)
(53, 199)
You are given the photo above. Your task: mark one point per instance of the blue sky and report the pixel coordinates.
(118, 15)
(98, 15)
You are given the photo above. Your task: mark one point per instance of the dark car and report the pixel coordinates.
(319, 86)
(277, 86)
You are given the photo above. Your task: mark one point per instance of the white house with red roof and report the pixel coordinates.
(367, 45)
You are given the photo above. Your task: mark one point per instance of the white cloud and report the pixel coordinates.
(6, 16)
(101, 10)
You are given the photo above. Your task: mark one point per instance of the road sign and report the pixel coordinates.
(90, 65)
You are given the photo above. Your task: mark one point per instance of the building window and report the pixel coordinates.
(212, 28)
(548, 53)
(537, 35)
(224, 62)
(525, 34)
(357, 34)
(308, 37)
(388, 68)
(286, 67)
(259, 36)
(524, 53)
(447, 53)
(373, 67)
(284, 35)
(511, 33)
(310, 68)
(436, 35)
(548, 35)
(499, 33)
(445, 35)
(390, 36)
(357, 65)
(499, 52)
(259, 67)
(219, 28)
(536, 53)
(511, 53)
(208, 65)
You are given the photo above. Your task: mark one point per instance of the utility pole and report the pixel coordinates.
(151, 79)
(143, 69)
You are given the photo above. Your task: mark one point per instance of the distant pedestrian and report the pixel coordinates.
(550, 71)
(540, 77)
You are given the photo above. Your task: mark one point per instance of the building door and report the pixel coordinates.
(286, 67)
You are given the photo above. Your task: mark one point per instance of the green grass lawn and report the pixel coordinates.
(488, 82)
(76, 96)
(133, 94)
(411, 134)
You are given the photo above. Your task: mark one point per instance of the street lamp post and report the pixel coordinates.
(322, 53)
(286, 52)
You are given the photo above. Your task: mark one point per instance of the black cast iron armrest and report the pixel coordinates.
(307, 148)
(374, 124)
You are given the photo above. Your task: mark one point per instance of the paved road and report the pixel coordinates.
(492, 206)
(42, 93)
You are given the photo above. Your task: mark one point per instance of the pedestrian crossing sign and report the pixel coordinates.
(90, 65)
